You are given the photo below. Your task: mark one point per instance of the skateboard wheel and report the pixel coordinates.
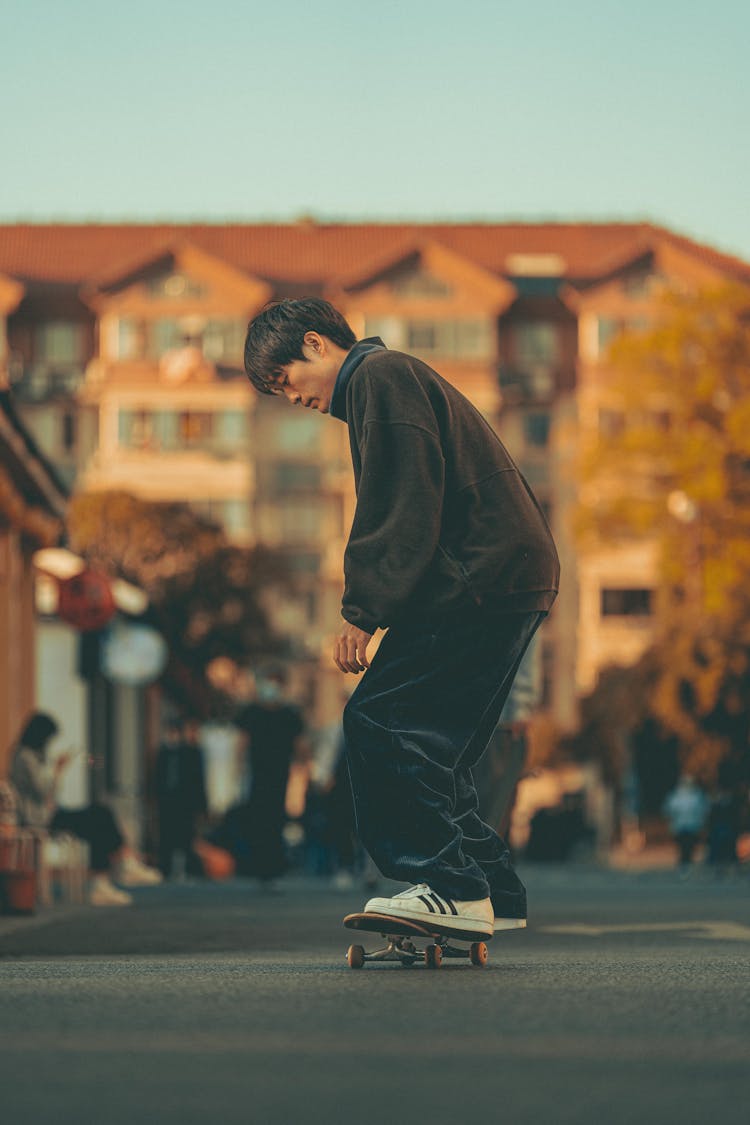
(433, 956)
(355, 956)
(478, 953)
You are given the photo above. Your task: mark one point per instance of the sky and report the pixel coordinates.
(404, 109)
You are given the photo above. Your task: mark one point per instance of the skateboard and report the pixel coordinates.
(398, 932)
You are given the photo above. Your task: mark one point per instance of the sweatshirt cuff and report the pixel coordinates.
(359, 619)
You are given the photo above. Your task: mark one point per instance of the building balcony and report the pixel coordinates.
(43, 382)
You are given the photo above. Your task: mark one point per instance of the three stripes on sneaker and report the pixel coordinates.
(441, 903)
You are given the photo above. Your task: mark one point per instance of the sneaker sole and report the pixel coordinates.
(509, 924)
(425, 927)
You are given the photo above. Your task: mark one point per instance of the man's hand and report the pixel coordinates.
(350, 649)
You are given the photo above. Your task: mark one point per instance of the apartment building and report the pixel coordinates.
(125, 355)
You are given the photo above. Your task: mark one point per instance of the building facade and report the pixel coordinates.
(33, 501)
(125, 356)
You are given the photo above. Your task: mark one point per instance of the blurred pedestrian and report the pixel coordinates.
(502, 767)
(329, 812)
(180, 796)
(724, 822)
(275, 738)
(34, 777)
(686, 807)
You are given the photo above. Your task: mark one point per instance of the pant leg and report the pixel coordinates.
(419, 717)
(480, 841)
(97, 826)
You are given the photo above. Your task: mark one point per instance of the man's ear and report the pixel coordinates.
(315, 341)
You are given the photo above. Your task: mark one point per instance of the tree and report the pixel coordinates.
(670, 462)
(207, 596)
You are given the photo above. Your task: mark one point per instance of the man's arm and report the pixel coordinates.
(397, 521)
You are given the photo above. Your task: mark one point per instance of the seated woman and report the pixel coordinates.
(35, 781)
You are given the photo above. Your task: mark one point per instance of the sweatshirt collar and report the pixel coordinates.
(360, 350)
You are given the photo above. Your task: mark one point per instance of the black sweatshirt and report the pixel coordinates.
(444, 518)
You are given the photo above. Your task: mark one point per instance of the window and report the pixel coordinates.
(231, 430)
(303, 562)
(164, 335)
(224, 340)
(469, 339)
(536, 344)
(195, 428)
(298, 433)
(136, 429)
(421, 335)
(59, 342)
(166, 425)
(299, 520)
(536, 429)
(290, 475)
(628, 602)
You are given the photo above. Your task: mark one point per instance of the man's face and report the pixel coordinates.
(310, 381)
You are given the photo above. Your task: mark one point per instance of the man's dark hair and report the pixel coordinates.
(275, 335)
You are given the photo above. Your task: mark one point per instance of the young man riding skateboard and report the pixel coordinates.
(450, 552)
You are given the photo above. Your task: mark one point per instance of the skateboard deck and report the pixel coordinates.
(387, 924)
(399, 931)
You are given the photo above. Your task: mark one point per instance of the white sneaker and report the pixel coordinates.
(133, 873)
(104, 893)
(420, 904)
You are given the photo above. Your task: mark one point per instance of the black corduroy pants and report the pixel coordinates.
(420, 719)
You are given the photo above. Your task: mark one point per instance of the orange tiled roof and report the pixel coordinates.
(309, 252)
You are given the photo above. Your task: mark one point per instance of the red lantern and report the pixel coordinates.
(86, 601)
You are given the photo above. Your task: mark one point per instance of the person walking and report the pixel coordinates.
(275, 737)
(451, 553)
(34, 778)
(180, 796)
(686, 807)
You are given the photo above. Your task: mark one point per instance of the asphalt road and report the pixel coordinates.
(626, 999)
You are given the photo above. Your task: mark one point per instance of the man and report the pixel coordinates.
(451, 553)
